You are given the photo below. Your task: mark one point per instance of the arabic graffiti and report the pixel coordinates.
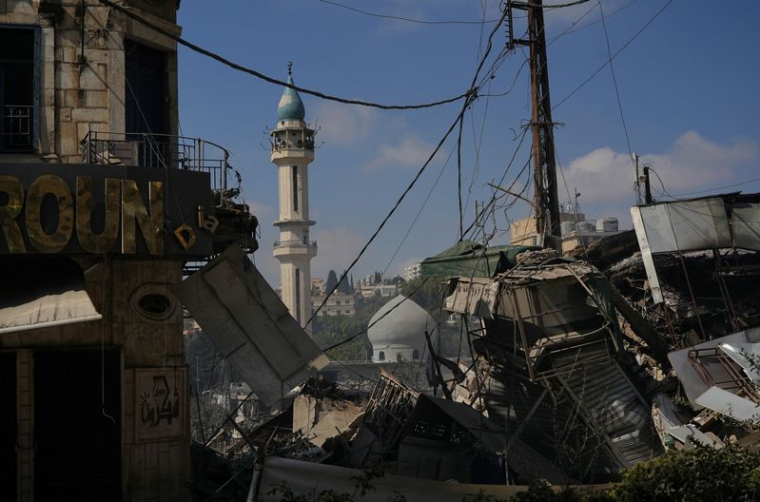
(159, 403)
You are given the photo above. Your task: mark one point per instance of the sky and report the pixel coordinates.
(688, 87)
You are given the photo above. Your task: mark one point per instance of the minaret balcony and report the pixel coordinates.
(295, 247)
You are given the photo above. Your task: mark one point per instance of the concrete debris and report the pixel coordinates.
(579, 366)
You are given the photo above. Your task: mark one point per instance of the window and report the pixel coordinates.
(146, 110)
(19, 88)
(415, 354)
(295, 188)
(381, 356)
(298, 295)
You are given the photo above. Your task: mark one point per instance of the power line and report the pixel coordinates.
(419, 212)
(235, 66)
(648, 23)
(355, 335)
(615, 84)
(573, 29)
(402, 18)
(471, 96)
(753, 180)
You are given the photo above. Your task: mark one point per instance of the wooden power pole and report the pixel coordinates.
(544, 161)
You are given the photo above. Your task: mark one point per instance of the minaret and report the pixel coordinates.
(292, 150)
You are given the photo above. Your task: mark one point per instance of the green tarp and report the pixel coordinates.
(470, 259)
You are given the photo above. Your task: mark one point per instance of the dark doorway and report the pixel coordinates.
(146, 107)
(8, 436)
(77, 402)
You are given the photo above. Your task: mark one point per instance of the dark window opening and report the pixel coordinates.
(415, 354)
(19, 86)
(155, 304)
(295, 188)
(298, 295)
(381, 356)
(146, 105)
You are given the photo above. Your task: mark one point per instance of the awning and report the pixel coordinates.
(39, 292)
(250, 326)
(470, 259)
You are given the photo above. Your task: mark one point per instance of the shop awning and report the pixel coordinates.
(39, 292)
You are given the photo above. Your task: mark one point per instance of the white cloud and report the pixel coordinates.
(692, 163)
(261, 210)
(341, 124)
(411, 150)
(337, 247)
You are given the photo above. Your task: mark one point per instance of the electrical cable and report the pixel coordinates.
(615, 84)
(471, 96)
(571, 28)
(355, 335)
(402, 18)
(595, 73)
(678, 195)
(235, 66)
(419, 212)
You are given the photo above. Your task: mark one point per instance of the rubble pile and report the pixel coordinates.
(580, 366)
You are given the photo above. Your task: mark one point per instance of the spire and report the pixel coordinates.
(290, 107)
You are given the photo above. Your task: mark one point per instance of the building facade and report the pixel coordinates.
(575, 229)
(292, 149)
(413, 272)
(93, 384)
(338, 304)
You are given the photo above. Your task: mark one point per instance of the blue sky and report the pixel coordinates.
(688, 84)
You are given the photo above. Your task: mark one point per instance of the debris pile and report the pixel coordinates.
(579, 367)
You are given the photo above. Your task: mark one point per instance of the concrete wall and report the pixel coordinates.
(74, 98)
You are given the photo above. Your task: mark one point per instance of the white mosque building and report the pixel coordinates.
(397, 331)
(292, 151)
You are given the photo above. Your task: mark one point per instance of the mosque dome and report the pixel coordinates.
(397, 330)
(290, 107)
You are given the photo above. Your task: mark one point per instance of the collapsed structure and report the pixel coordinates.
(579, 363)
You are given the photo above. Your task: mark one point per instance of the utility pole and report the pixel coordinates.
(544, 160)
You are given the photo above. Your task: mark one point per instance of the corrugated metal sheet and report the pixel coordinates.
(613, 404)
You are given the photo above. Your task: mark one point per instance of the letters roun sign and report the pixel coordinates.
(75, 208)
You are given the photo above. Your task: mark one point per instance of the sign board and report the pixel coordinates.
(91, 209)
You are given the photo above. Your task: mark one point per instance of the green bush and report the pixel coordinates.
(699, 475)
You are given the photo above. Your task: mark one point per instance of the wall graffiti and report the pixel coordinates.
(160, 401)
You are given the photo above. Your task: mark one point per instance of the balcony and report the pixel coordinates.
(294, 246)
(286, 139)
(159, 151)
(16, 126)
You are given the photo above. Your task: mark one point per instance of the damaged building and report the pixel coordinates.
(102, 207)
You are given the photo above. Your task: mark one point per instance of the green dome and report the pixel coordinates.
(290, 107)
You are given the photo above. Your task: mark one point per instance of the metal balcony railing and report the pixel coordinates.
(159, 151)
(296, 243)
(287, 139)
(16, 126)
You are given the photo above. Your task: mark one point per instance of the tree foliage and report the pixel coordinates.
(332, 281)
(698, 475)
(330, 330)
